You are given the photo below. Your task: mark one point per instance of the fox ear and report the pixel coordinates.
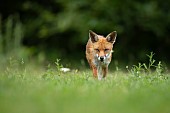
(112, 37)
(93, 36)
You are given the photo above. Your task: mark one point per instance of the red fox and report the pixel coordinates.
(99, 53)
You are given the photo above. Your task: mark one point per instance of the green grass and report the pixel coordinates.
(33, 90)
(144, 88)
(28, 88)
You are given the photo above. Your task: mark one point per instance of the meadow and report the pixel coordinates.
(26, 88)
(33, 32)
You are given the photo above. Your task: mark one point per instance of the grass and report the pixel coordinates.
(29, 89)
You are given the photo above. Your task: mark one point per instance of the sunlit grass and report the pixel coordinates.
(31, 89)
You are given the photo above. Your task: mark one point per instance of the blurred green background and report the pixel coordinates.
(50, 29)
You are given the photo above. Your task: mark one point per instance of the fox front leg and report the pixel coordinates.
(94, 69)
(105, 70)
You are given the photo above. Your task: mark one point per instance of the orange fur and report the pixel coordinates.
(99, 53)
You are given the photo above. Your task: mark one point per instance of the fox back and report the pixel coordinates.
(99, 53)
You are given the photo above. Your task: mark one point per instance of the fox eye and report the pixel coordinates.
(97, 50)
(106, 50)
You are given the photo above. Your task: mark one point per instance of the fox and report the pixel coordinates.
(99, 53)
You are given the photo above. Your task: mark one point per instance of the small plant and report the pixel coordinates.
(58, 65)
(15, 68)
(147, 69)
(151, 62)
(136, 70)
(159, 69)
(49, 73)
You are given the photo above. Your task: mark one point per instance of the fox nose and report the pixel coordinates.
(101, 58)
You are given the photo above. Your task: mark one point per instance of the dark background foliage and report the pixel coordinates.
(59, 28)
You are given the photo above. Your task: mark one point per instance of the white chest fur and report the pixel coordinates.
(102, 64)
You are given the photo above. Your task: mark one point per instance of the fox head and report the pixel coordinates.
(102, 46)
